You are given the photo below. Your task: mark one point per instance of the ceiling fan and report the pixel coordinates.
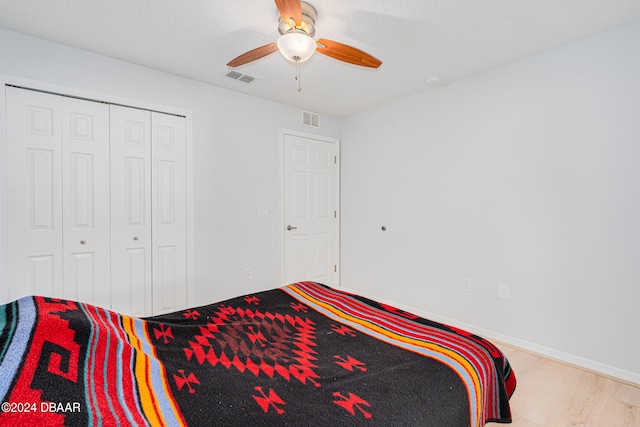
(297, 27)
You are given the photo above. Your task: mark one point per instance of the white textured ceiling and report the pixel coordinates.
(415, 39)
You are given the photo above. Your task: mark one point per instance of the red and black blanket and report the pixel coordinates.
(301, 355)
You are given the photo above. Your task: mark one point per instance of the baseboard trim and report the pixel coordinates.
(551, 353)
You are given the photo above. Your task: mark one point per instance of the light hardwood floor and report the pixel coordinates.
(554, 394)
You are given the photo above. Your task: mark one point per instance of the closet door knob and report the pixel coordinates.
(82, 242)
(135, 237)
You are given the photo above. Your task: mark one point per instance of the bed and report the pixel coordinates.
(300, 355)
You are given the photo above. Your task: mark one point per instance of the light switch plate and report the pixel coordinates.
(503, 291)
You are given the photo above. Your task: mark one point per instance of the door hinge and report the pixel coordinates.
(335, 268)
(335, 160)
(335, 214)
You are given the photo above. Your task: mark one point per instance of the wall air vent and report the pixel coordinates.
(310, 119)
(246, 79)
(240, 77)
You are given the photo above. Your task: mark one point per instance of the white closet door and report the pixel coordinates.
(85, 177)
(58, 197)
(169, 214)
(131, 249)
(34, 193)
(87, 192)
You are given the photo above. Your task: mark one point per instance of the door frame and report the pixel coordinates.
(282, 234)
(56, 89)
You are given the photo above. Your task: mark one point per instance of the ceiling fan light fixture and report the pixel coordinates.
(296, 46)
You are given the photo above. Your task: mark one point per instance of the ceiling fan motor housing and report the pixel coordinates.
(308, 25)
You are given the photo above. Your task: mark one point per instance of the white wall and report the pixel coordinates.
(235, 157)
(526, 175)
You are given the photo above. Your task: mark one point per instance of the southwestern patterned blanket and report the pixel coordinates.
(301, 355)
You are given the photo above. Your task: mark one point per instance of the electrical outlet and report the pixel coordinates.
(466, 285)
(247, 274)
(503, 291)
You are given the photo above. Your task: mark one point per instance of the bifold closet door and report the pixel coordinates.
(169, 213)
(148, 211)
(131, 278)
(85, 207)
(57, 197)
(96, 203)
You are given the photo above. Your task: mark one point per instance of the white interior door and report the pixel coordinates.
(85, 217)
(87, 186)
(311, 238)
(169, 213)
(131, 278)
(58, 197)
(34, 193)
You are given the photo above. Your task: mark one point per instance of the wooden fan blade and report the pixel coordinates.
(254, 54)
(343, 52)
(290, 9)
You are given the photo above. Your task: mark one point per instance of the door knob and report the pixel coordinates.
(289, 228)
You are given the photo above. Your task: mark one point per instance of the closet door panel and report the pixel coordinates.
(40, 277)
(90, 184)
(169, 213)
(86, 222)
(135, 295)
(41, 188)
(34, 193)
(131, 276)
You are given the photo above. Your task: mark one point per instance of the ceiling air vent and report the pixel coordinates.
(241, 77)
(310, 119)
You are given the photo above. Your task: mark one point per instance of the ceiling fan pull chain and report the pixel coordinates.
(298, 76)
